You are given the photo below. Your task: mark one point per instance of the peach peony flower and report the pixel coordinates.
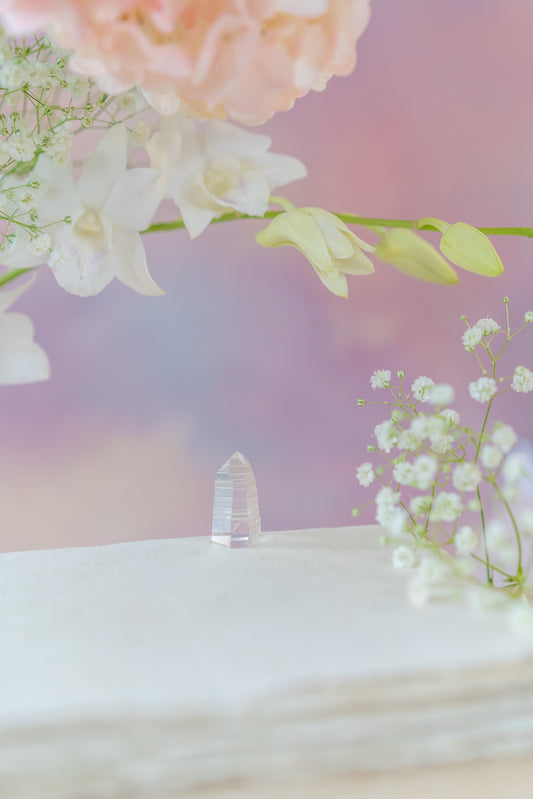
(214, 58)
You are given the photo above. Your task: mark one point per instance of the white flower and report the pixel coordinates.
(451, 417)
(22, 360)
(108, 205)
(441, 443)
(471, 338)
(380, 379)
(407, 440)
(466, 476)
(41, 244)
(465, 540)
(514, 467)
(482, 389)
(504, 437)
(365, 474)
(420, 505)
(491, 456)
(487, 326)
(394, 524)
(387, 435)
(442, 394)
(447, 507)
(424, 471)
(212, 167)
(422, 388)
(330, 247)
(528, 317)
(386, 505)
(403, 557)
(522, 380)
(403, 473)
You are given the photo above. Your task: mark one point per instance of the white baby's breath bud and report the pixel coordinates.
(487, 326)
(424, 471)
(441, 443)
(403, 557)
(403, 473)
(471, 338)
(421, 426)
(442, 394)
(78, 86)
(466, 476)
(15, 75)
(380, 378)
(422, 388)
(387, 435)
(365, 474)
(407, 440)
(41, 244)
(473, 505)
(514, 468)
(419, 506)
(447, 506)
(522, 380)
(58, 257)
(451, 417)
(528, 317)
(482, 389)
(503, 436)
(21, 147)
(465, 540)
(491, 456)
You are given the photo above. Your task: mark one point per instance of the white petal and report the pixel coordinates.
(86, 271)
(102, 168)
(22, 360)
(131, 267)
(134, 198)
(282, 169)
(58, 197)
(196, 218)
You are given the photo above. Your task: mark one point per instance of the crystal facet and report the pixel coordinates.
(236, 521)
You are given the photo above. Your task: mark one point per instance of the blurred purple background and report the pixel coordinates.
(247, 350)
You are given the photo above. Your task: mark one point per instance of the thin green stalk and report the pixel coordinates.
(7, 277)
(350, 219)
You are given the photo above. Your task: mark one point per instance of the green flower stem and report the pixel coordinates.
(494, 568)
(7, 277)
(350, 219)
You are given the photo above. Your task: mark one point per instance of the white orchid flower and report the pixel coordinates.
(330, 247)
(108, 206)
(213, 167)
(22, 360)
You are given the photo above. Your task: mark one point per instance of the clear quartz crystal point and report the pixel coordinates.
(236, 521)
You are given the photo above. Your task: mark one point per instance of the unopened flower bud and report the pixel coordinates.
(469, 248)
(414, 255)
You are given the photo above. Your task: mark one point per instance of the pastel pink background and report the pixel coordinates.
(247, 350)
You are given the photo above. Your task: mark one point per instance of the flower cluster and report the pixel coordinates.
(451, 500)
(209, 57)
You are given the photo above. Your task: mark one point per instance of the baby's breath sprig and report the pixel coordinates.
(451, 498)
(43, 105)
